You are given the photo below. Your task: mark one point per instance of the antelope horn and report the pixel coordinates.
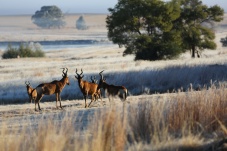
(66, 70)
(27, 82)
(77, 73)
(100, 73)
(63, 70)
(81, 71)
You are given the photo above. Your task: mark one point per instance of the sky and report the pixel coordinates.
(21, 7)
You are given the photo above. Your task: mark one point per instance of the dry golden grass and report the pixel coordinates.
(184, 121)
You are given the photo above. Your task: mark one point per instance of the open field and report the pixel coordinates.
(151, 118)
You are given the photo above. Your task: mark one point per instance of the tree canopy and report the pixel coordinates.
(154, 30)
(49, 16)
(195, 23)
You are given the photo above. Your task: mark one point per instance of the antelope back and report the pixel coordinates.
(89, 87)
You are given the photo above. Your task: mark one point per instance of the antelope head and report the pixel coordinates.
(102, 79)
(94, 80)
(27, 83)
(80, 76)
(64, 75)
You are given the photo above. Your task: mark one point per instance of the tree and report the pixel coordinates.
(145, 28)
(81, 24)
(195, 23)
(49, 16)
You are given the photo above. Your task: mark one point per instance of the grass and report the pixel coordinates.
(183, 121)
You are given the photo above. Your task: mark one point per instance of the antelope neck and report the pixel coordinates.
(63, 80)
(105, 85)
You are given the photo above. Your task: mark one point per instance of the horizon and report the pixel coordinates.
(72, 6)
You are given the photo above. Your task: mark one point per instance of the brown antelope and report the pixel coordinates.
(112, 90)
(87, 88)
(31, 92)
(54, 87)
(98, 94)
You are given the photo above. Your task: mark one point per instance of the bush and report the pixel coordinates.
(24, 50)
(81, 24)
(224, 41)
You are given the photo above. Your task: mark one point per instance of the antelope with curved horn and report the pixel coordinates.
(87, 88)
(54, 87)
(112, 90)
(31, 92)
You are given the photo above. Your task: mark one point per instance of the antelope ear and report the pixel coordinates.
(76, 77)
(82, 76)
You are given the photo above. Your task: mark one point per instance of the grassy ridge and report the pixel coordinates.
(147, 81)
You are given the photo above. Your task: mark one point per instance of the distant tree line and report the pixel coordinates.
(151, 30)
(52, 17)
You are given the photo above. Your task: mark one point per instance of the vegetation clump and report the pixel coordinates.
(224, 41)
(49, 16)
(24, 50)
(81, 24)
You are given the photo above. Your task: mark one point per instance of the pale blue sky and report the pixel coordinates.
(12, 7)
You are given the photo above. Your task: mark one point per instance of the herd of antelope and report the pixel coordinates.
(87, 88)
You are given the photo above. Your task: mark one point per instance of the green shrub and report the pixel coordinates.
(24, 50)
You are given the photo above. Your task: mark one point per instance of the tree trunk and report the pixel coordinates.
(193, 52)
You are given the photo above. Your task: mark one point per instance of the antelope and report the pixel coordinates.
(87, 88)
(98, 94)
(31, 92)
(112, 90)
(54, 87)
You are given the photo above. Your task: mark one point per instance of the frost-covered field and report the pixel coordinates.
(140, 77)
